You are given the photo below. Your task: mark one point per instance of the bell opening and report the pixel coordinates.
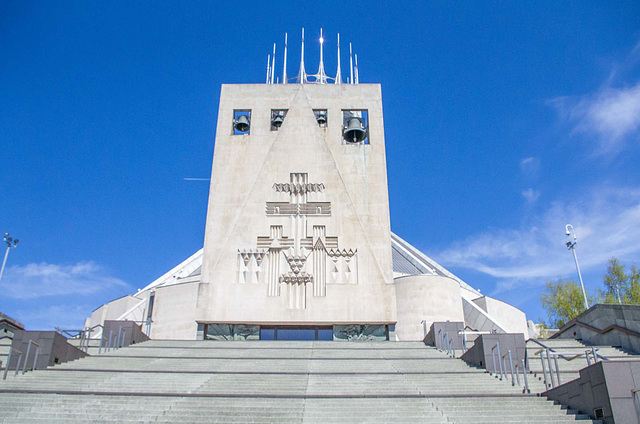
(277, 118)
(355, 124)
(241, 122)
(321, 117)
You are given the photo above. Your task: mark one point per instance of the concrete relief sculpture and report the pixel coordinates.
(291, 264)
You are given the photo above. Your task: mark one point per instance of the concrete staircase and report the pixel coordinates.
(569, 369)
(270, 382)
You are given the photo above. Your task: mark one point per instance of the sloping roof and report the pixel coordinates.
(407, 260)
(410, 261)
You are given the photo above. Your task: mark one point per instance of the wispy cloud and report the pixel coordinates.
(606, 223)
(42, 279)
(529, 166)
(611, 114)
(531, 195)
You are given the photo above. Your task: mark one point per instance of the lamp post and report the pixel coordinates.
(571, 245)
(11, 244)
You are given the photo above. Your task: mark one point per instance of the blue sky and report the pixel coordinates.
(504, 121)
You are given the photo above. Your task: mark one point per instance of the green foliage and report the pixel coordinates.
(563, 301)
(621, 286)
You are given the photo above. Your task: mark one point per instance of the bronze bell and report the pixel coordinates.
(355, 131)
(242, 123)
(277, 120)
(322, 118)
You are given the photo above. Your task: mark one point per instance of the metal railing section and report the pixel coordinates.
(115, 341)
(447, 344)
(515, 369)
(13, 351)
(549, 361)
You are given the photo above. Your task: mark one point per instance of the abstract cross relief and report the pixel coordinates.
(298, 261)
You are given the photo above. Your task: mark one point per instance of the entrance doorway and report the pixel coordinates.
(296, 333)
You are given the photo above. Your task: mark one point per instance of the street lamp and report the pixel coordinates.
(11, 244)
(572, 246)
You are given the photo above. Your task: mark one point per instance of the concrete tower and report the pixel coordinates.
(298, 222)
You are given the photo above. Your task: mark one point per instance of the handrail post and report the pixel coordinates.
(118, 340)
(513, 380)
(464, 340)
(18, 364)
(6, 369)
(35, 359)
(544, 370)
(453, 347)
(110, 339)
(555, 359)
(518, 369)
(100, 346)
(551, 377)
(26, 358)
(524, 374)
(586, 355)
(124, 336)
(595, 355)
(493, 358)
(440, 338)
(500, 360)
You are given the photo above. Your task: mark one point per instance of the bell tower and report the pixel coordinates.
(297, 230)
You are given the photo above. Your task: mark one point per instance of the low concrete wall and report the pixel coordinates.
(132, 333)
(480, 354)
(434, 336)
(54, 349)
(604, 387)
(613, 325)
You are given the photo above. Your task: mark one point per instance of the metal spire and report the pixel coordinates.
(273, 63)
(268, 66)
(356, 71)
(284, 65)
(322, 76)
(339, 71)
(351, 63)
(302, 75)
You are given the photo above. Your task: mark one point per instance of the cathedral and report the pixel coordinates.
(298, 241)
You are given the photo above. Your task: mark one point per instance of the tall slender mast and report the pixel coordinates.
(356, 71)
(268, 66)
(284, 65)
(273, 64)
(339, 71)
(351, 63)
(322, 76)
(302, 76)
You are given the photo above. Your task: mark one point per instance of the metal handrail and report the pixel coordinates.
(470, 330)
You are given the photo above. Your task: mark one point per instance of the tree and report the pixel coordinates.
(563, 301)
(620, 286)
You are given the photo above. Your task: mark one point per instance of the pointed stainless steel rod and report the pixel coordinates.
(339, 71)
(322, 77)
(351, 63)
(356, 71)
(301, 74)
(273, 63)
(284, 63)
(268, 65)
